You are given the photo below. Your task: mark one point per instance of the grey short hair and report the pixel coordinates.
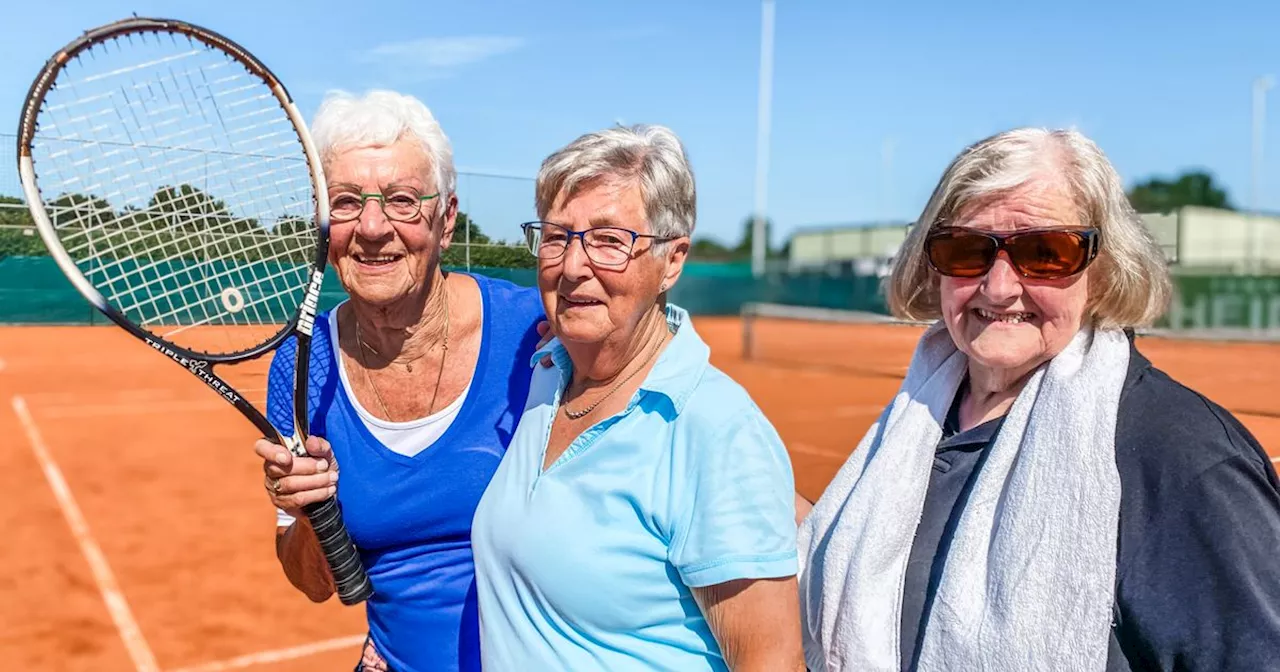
(1130, 285)
(380, 118)
(651, 154)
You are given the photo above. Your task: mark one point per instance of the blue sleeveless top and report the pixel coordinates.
(411, 516)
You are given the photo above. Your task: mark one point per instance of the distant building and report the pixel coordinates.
(863, 249)
(1209, 240)
(1196, 240)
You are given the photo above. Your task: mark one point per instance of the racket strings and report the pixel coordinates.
(261, 245)
(189, 209)
(179, 186)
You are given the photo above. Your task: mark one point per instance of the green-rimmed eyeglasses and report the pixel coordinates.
(402, 204)
(604, 245)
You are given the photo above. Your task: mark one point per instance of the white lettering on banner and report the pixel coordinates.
(199, 368)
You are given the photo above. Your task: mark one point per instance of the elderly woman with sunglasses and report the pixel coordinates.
(1037, 495)
(643, 517)
(418, 379)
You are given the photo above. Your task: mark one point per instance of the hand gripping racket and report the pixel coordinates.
(177, 187)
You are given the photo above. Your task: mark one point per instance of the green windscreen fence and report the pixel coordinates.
(34, 291)
(722, 289)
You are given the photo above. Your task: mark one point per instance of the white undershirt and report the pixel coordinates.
(406, 438)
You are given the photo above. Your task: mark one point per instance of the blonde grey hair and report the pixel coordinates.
(652, 155)
(380, 118)
(1129, 285)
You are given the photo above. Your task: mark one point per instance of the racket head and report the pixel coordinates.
(175, 183)
(161, 256)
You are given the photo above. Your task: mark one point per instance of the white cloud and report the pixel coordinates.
(441, 55)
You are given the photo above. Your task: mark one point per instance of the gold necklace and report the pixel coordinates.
(579, 414)
(409, 367)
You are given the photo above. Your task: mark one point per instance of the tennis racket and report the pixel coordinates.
(176, 185)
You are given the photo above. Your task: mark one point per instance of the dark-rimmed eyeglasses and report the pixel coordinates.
(608, 246)
(402, 204)
(1041, 254)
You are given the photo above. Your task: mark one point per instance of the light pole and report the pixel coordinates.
(886, 177)
(1260, 87)
(759, 237)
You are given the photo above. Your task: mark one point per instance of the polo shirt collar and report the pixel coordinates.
(677, 371)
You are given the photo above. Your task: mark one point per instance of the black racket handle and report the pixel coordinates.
(344, 561)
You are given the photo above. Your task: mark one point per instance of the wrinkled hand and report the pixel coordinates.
(293, 481)
(371, 660)
(544, 330)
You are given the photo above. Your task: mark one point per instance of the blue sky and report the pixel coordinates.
(1161, 86)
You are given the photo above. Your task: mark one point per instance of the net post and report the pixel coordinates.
(748, 315)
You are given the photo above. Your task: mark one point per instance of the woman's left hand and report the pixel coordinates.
(370, 660)
(544, 330)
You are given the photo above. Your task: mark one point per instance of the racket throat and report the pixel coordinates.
(295, 444)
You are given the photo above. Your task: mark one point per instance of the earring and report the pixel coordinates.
(663, 287)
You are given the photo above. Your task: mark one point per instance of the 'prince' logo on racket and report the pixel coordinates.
(307, 319)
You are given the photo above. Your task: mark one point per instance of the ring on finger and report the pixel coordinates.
(273, 484)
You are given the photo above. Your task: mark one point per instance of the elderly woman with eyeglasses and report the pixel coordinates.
(418, 379)
(1038, 496)
(643, 517)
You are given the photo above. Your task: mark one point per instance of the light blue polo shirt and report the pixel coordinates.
(589, 565)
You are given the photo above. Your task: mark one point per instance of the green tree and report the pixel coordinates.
(743, 250)
(188, 207)
(461, 226)
(292, 226)
(490, 256)
(485, 252)
(1194, 187)
(710, 249)
(80, 211)
(18, 235)
(14, 213)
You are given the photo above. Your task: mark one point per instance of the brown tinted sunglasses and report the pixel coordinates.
(1042, 254)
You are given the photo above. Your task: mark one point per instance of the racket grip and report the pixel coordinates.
(349, 576)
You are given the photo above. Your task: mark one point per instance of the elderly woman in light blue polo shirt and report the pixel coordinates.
(643, 517)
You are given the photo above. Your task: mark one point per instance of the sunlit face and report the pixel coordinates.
(588, 303)
(380, 260)
(1003, 321)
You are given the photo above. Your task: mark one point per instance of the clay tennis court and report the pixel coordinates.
(140, 539)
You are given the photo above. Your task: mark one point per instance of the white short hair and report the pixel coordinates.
(651, 154)
(1133, 284)
(379, 119)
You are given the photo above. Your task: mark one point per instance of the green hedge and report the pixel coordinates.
(489, 256)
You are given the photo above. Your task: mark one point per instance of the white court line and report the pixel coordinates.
(278, 655)
(1274, 460)
(853, 411)
(134, 642)
(806, 449)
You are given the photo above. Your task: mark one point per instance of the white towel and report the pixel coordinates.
(1030, 577)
